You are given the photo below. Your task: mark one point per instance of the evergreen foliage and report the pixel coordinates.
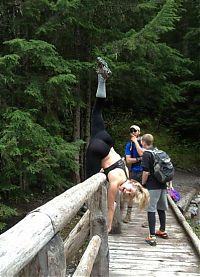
(36, 89)
(187, 114)
(30, 153)
(152, 79)
(5, 212)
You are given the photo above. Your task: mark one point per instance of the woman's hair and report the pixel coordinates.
(141, 195)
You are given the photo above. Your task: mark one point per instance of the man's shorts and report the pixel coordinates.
(158, 200)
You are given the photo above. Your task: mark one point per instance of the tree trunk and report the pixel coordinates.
(87, 120)
(77, 122)
(76, 136)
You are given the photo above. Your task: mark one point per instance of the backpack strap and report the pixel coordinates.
(152, 152)
(154, 157)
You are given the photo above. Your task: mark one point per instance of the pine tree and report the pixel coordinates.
(189, 31)
(153, 69)
(32, 131)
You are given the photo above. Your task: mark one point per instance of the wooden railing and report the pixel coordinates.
(34, 247)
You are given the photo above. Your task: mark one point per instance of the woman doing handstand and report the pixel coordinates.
(101, 154)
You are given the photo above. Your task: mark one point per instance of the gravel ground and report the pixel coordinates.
(184, 181)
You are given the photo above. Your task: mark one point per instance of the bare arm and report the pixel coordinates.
(112, 191)
(140, 150)
(145, 175)
(130, 160)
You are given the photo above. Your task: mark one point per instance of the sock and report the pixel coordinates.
(101, 89)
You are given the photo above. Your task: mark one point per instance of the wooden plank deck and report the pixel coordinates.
(131, 256)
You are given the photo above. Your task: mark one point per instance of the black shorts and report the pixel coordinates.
(118, 164)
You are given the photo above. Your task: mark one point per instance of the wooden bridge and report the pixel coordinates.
(131, 256)
(34, 246)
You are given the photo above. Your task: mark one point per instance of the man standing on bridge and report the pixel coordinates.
(133, 161)
(157, 192)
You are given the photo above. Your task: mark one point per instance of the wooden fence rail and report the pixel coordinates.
(34, 247)
(193, 237)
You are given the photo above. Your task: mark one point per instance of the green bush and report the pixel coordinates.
(5, 212)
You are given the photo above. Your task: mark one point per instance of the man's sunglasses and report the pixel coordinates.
(133, 130)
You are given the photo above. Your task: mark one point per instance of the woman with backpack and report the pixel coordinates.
(101, 156)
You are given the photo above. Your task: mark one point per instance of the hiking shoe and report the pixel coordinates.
(127, 218)
(162, 234)
(102, 68)
(145, 224)
(151, 240)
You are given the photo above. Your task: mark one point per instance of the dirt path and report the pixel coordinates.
(184, 181)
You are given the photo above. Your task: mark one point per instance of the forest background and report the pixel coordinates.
(48, 83)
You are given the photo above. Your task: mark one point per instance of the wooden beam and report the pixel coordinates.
(21, 243)
(64, 207)
(50, 261)
(86, 263)
(98, 226)
(77, 237)
(193, 237)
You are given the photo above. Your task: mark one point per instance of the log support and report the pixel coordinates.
(50, 261)
(98, 226)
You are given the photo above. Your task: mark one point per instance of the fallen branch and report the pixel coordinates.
(186, 226)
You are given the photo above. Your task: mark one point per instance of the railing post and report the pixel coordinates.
(98, 226)
(50, 261)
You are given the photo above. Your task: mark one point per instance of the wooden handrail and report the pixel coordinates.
(188, 229)
(20, 244)
(77, 236)
(64, 207)
(86, 263)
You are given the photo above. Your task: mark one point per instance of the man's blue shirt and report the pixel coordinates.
(130, 149)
